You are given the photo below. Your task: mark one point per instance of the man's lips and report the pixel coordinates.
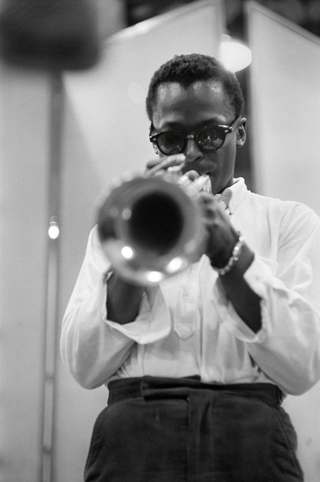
(201, 169)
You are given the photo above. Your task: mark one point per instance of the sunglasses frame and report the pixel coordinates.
(226, 129)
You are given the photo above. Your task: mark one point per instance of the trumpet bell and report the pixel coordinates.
(149, 229)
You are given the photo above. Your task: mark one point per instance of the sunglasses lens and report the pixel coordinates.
(210, 137)
(207, 138)
(170, 142)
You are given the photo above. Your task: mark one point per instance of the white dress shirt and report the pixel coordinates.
(186, 325)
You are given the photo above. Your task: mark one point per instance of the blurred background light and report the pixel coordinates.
(234, 55)
(53, 230)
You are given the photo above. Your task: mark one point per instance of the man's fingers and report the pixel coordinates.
(154, 166)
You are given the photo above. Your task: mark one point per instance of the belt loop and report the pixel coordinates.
(141, 386)
(280, 396)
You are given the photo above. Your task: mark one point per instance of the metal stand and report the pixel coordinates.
(52, 279)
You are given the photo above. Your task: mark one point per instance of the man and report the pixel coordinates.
(197, 366)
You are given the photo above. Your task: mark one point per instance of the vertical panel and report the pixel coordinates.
(24, 108)
(285, 122)
(285, 87)
(106, 133)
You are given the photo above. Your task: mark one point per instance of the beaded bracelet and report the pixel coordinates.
(234, 257)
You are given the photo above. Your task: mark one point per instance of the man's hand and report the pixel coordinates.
(221, 236)
(221, 240)
(163, 166)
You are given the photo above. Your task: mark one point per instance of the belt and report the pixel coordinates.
(149, 387)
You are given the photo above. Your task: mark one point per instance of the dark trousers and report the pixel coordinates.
(182, 430)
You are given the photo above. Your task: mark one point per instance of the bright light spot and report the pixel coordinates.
(141, 28)
(174, 265)
(234, 55)
(154, 276)
(53, 230)
(127, 252)
(126, 214)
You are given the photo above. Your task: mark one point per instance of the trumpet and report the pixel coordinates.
(151, 228)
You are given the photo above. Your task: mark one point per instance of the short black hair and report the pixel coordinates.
(188, 69)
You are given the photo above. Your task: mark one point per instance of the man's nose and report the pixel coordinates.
(192, 151)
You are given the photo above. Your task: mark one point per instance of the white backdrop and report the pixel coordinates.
(24, 123)
(285, 98)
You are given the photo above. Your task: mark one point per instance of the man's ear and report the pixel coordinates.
(241, 132)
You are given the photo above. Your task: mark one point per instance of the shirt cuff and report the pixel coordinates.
(147, 327)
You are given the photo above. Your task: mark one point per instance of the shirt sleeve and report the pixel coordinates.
(92, 346)
(287, 348)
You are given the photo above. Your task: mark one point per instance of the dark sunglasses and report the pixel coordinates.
(208, 138)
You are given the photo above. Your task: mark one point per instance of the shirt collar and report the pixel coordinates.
(233, 195)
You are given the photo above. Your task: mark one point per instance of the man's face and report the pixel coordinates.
(188, 109)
